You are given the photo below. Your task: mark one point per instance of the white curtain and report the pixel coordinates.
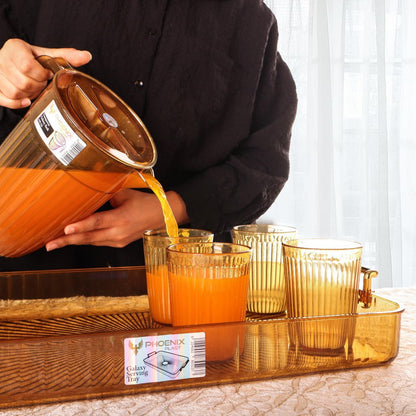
(353, 152)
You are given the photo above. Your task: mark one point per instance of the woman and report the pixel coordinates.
(204, 76)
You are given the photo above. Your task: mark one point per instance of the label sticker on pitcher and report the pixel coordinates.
(56, 133)
(164, 357)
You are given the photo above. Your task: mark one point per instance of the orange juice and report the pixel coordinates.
(223, 341)
(36, 204)
(158, 292)
(74, 148)
(201, 301)
(156, 187)
(154, 245)
(208, 284)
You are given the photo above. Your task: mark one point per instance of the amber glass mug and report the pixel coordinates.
(77, 145)
(322, 281)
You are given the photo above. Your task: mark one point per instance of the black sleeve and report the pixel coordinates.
(9, 28)
(242, 188)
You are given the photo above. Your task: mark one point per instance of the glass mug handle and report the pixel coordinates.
(365, 294)
(54, 64)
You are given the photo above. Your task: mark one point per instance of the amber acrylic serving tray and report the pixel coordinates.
(62, 338)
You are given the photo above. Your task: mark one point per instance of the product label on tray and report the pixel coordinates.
(56, 133)
(164, 357)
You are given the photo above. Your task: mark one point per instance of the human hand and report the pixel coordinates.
(134, 212)
(22, 77)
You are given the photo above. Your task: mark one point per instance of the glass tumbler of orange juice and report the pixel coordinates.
(155, 243)
(208, 284)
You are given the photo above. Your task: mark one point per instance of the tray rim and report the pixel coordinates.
(397, 308)
(76, 270)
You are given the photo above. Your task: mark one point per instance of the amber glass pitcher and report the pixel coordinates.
(77, 145)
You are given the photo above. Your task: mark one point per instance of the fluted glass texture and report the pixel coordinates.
(155, 243)
(322, 279)
(266, 292)
(208, 284)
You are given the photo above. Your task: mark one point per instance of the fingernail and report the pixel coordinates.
(69, 230)
(50, 247)
(89, 53)
(25, 102)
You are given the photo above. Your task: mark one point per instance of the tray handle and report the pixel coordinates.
(365, 294)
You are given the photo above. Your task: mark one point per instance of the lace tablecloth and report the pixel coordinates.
(382, 391)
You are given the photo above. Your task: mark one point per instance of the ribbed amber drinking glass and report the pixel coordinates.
(322, 279)
(267, 284)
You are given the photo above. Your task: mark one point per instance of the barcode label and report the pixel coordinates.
(164, 357)
(57, 134)
(198, 353)
(72, 152)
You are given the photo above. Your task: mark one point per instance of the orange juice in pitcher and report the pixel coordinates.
(77, 146)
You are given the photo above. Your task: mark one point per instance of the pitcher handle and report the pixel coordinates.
(365, 295)
(54, 64)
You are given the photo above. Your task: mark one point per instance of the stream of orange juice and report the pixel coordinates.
(158, 282)
(156, 187)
